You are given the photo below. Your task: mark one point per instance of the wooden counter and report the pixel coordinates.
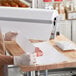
(14, 49)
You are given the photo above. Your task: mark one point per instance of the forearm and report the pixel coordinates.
(6, 60)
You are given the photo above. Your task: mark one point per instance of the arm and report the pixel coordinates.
(6, 60)
(24, 59)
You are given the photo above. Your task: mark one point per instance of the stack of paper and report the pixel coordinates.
(66, 45)
(50, 56)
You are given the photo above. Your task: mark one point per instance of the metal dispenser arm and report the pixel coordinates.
(54, 30)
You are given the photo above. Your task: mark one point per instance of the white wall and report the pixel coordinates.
(74, 1)
(65, 28)
(74, 30)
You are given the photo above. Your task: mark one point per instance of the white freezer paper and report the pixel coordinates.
(51, 55)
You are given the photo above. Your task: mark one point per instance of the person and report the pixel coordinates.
(24, 59)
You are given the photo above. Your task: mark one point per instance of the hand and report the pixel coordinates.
(9, 36)
(25, 59)
(28, 59)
